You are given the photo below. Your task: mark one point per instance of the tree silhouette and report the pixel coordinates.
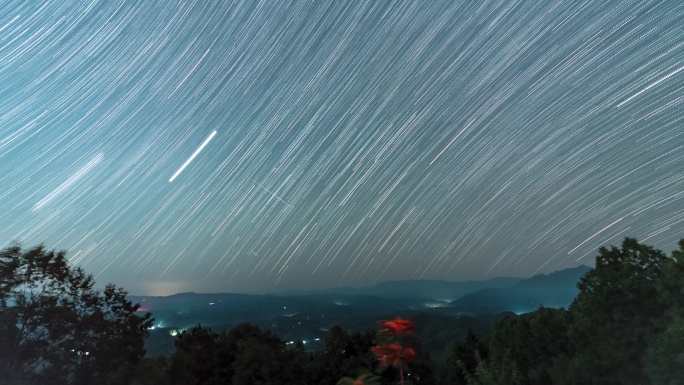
(243, 355)
(56, 328)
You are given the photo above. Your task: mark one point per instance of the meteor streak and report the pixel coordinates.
(69, 182)
(187, 162)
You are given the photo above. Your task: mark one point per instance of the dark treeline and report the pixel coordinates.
(248, 355)
(625, 327)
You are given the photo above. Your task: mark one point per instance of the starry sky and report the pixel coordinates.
(256, 146)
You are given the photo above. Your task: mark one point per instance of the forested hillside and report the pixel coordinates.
(625, 327)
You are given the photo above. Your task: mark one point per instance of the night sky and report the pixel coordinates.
(330, 143)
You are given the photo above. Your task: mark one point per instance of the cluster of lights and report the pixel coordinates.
(304, 341)
(159, 325)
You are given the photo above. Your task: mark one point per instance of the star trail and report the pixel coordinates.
(255, 146)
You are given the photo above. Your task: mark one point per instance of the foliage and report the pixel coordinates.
(247, 355)
(664, 360)
(501, 372)
(56, 328)
(533, 341)
(343, 355)
(436, 332)
(461, 359)
(625, 327)
(614, 314)
(259, 357)
(151, 371)
(196, 358)
(243, 355)
(393, 338)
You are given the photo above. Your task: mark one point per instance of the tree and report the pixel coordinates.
(330, 365)
(615, 315)
(343, 355)
(501, 372)
(260, 358)
(533, 341)
(392, 348)
(152, 371)
(461, 359)
(56, 328)
(194, 361)
(664, 361)
(244, 355)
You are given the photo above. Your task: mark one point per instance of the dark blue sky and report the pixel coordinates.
(355, 141)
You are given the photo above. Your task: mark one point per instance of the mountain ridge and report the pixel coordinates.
(557, 289)
(307, 316)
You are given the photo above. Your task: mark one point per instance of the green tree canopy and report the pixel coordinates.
(664, 361)
(533, 341)
(461, 358)
(616, 315)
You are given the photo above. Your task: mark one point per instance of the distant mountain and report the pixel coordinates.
(423, 288)
(307, 316)
(187, 309)
(556, 290)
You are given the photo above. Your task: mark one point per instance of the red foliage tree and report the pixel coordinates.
(390, 350)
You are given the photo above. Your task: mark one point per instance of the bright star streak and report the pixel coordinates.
(190, 159)
(595, 234)
(652, 85)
